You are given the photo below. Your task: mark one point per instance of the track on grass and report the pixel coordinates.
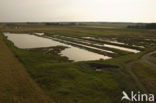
(145, 58)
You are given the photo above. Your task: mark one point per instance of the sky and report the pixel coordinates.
(77, 10)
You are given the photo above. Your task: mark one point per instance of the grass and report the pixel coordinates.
(76, 82)
(129, 36)
(79, 82)
(119, 52)
(16, 85)
(147, 75)
(153, 57)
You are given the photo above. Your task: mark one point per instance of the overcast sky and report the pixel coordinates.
(77, 10)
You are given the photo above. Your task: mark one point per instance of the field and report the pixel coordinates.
(66, 81)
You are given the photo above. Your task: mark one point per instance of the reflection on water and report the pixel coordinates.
(115, 42)
(73, 53)
(40, 34)
(106, 45)
(87, 46)
(122, 48)
(30, 41)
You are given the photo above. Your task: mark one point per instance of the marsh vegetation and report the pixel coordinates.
(97, 75)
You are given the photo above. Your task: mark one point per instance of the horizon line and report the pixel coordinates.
(71, 22)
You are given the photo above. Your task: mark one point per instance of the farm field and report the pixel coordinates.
(85, 64)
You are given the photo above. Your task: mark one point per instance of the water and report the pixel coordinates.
(90, 47)
(40, 34)
(116, 42)
(25, 41)
(86, 42)
(86, 46)
(109, 46)
(122, 48)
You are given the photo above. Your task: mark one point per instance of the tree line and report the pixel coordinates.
(143, 26)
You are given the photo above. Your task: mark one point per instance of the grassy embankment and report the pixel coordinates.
(69, 82)
(77, 82)
(16, 85)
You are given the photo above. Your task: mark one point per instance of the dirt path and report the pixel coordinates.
(145, 58)
(16, 86)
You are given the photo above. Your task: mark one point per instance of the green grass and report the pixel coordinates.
(147, 75)
(77, 82)
(130, 36)
(153, 57)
